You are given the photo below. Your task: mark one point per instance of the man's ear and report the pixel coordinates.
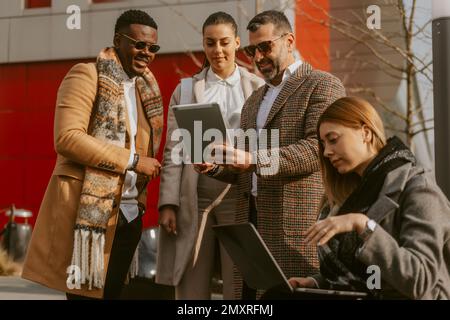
(291, 41)
(116, 40)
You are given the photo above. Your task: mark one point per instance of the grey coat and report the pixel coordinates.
(179, 188)
(411, 244)
(412, 247)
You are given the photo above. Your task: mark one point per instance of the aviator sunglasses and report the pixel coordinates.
(264, 47)
(140, 45)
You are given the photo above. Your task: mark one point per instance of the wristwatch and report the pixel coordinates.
(135, 162)
(370, 228)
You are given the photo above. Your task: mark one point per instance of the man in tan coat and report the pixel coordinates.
(280, 184)
(107, 130)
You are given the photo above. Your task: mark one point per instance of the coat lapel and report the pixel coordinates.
(246, 83)
(288, 89)
(127, 122)
(143, 130)
(393, 185)
(254, 109)
(199, 86)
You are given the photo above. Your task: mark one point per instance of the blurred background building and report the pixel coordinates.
(37, 49)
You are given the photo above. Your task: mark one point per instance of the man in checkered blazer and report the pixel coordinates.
(280, 184)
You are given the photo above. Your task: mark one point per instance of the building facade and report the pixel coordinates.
(40, 40)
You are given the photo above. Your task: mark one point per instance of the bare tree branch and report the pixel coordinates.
(380, 101)
(422, 70)
(357, 39)
(413, 134)
(411, 18)
(387, 127)
(417, 123)
(373, 34)
(243, 10)
(180, 14)
(358, 64)
(194, 59)
(421, 30)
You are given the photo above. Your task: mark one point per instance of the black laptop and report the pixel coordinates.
(259, 268)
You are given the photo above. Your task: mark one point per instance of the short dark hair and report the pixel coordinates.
(277, 18)
(134, 17)
(220, 17)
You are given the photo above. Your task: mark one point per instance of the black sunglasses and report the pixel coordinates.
(141, 45)
(264, 47)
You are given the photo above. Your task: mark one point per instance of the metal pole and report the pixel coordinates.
(441, 92)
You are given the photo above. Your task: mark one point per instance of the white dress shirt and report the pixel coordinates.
(128, 203)
(228, 94)
(266, 106)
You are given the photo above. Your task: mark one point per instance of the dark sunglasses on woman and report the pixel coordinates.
(140, 45)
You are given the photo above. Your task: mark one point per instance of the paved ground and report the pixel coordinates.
(16, 288)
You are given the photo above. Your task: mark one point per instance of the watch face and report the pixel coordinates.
(371, 224)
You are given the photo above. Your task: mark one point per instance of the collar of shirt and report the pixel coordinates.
(287, 73)
(129, 81)
(232, 80)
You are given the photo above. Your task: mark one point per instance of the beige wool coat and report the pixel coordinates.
(179, 188)
(50, 250)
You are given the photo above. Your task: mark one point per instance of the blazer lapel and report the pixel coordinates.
(288, 89)
(254, 109)
(199, 85)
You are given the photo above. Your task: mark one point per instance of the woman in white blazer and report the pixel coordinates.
(184, 194)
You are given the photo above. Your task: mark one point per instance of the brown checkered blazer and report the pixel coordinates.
(288, 200)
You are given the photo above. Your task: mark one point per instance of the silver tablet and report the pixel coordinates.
(201, 124)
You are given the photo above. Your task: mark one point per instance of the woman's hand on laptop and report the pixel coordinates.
(203, 167)
(302, 282)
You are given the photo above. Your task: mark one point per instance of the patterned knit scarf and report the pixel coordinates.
(100, 187)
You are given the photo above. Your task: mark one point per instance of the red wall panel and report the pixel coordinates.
(12, 87)
(12, 138)
(27, 102)
(38, 3)
(312, 38)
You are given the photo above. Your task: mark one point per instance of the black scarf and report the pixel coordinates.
(338, 263)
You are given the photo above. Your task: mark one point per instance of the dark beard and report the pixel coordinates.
(276, 71)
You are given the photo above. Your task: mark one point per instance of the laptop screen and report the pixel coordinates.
(251, 256)
(260, 269)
